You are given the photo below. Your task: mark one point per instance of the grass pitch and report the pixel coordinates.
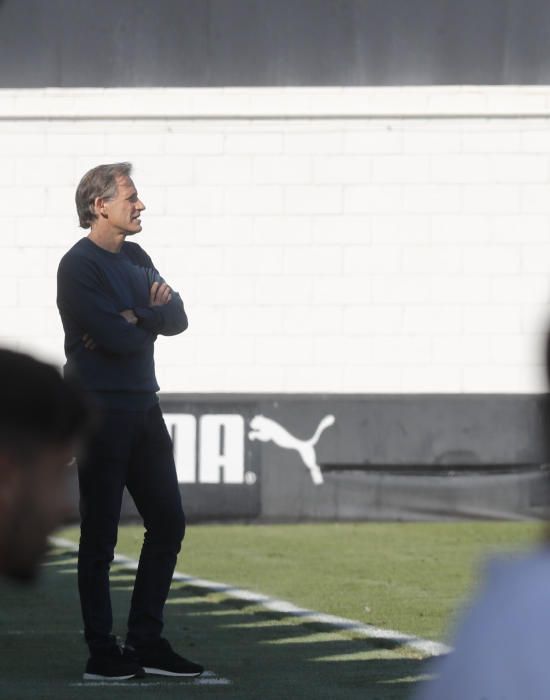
(409, 577)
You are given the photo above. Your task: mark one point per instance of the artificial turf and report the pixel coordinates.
(407, 577)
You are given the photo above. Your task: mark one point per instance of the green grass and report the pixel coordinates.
(411, 577)
(407, 576)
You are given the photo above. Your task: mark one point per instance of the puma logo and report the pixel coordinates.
(266, 429)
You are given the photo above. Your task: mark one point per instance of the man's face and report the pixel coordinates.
(33, 502)
(123, 211)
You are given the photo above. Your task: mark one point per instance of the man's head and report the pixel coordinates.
(42, 418)
(106, 197)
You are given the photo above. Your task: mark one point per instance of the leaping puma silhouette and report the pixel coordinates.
(266, 429)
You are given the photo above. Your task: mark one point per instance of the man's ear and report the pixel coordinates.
(99, 207)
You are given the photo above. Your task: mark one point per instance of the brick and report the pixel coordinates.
(281, 230)
(8, 228)
(259, 199)
(34, 292)
(463, 289)
(17, 144)
(193, 141)
(224, 230)
(318, 260)
(354, 289)
(223, 289)
(520, 289)
(193, 200)
(491, 141)
(236, 351)
(434, 199)
(217, 170)
(9, 296)
(359, 199)
(437, 259)
(424, 141)
(418, 380)
(524, 228)
(398, 228)
(71, 143)
(287, 350)
(283, 290)
(253, 143)
(516, 168)
(29, 201)
(282, 169)
(517, 349)
(134, 143)
(361, 320)
(379, 140)
(319, 199)
(254, 320)
(493, 260)
(405, 289)
(493, 198)
(340, 229)
(253, 261)
(461, 350)
(460, 168)
(430, 319)
(501, 379)
(342, 169)
(372, 379)
(492, 319)
(306, 378)
(199, 260)
(312, 320)
(377, 259)
(162, 170)
(44, 171)
(461, 228)
(59, 201)
(314, 142)
(535, 199)
(400, 169)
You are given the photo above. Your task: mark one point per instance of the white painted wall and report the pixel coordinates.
(324, 240)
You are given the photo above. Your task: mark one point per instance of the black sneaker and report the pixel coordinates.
(159, 659)
(113, 665)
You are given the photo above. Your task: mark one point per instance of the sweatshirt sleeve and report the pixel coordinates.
(81, 295)
(168, 319)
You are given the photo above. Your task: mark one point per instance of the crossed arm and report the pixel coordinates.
(159, 295)
(83, 297)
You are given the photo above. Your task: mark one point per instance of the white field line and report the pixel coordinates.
(425, 646)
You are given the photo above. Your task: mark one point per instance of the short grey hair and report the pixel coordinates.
(100, 181)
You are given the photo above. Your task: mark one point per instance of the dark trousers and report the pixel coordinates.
(133, 449)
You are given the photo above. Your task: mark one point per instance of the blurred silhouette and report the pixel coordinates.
(502, 639)
(42, 419)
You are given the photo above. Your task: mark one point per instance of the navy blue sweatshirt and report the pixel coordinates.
(93, 287)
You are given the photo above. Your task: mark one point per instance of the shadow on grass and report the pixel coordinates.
(263, 654)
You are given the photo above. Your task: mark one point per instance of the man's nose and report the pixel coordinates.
(141, 205)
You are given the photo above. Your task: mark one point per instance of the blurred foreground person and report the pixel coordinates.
(502, 642)
(42, 417)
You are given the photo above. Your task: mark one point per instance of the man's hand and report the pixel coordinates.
(130, 316)
(89, 343)
(160, 294)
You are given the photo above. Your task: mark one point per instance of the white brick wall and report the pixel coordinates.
(325, 240)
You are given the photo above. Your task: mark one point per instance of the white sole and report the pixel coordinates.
(162, 672)
(97, 677)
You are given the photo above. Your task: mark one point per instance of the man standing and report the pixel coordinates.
(42, 420)
(113, 303)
